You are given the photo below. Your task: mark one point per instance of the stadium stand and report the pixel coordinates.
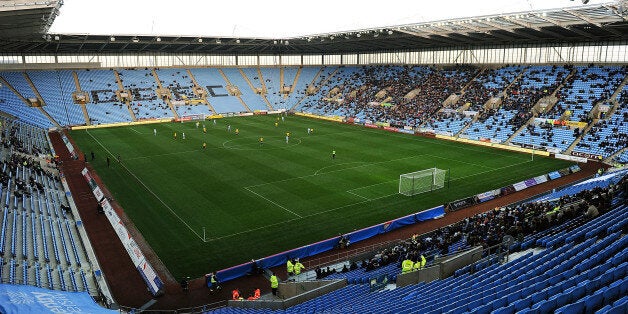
(39, 242)
(218, 97)
(254, 100)
(181, 86)
(142, 85)
(56, 88)
(498, 124)
(608, 135)
(104, 106)
(271, 79)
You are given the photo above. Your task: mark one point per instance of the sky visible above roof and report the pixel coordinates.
(271, 18)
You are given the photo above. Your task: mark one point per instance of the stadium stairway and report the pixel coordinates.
(579, 138)
(26, 102)
(204, 96)
(127, 102)
(166, 100)
(577, 277)
(296, 79)
(250, 84)
(515, 80)
(550, 100)
(477, 74)
(77, 83)
(238, 95)
(618, 153)
(320, 85)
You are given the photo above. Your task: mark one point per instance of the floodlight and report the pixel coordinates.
(57, 37)
(200, 40)
(218, 41)
(237, 41)
(112, 38)
(135, 40)
(158, 39)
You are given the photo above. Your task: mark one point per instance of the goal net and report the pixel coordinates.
(422, 181)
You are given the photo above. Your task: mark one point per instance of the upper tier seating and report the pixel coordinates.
(608, 135)
(104, 106)
(56, 88)
(218, 97)
(142, 86)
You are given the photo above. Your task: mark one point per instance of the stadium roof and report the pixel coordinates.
(592, 23)
(24, 18)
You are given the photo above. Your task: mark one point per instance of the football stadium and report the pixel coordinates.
(458, 159)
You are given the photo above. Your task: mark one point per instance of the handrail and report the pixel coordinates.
(346, 254)
(195, 309)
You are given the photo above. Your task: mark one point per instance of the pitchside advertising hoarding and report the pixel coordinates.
(92, 184)
(155, 284)
(69, 145)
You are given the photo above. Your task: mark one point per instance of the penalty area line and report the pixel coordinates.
(272, 202)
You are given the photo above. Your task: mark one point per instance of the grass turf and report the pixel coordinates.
(256, 200)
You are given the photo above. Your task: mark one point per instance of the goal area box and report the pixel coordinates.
(422, 181)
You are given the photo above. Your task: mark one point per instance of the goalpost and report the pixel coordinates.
(422, 181)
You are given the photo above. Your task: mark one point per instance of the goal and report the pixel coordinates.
(422, 181)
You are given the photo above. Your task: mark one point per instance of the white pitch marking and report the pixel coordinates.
(147, 188)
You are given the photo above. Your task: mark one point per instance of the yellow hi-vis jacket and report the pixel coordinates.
(297, 268)
(274, 282)
(289, 266)
(406, 266)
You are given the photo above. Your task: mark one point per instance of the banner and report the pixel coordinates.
(554, 175)
(571, 158)
(155, 285)
(507, 190)
(487, 196)
(406, 131)
(372, 126)
(460, 204)
(520, 186)
(391, 129)
(530, 182)
(30, 299)
(92, 184)
(585, 155)
(69, 145)
(541, 179)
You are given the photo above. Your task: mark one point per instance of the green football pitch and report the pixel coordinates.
(208, 209)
